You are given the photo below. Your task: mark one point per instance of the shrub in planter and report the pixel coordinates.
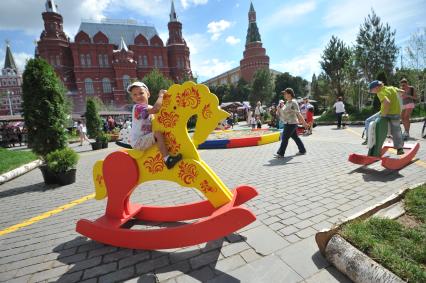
(43, 107)
(103, 139)
(93, 123)
(62, 164)
(93, 120)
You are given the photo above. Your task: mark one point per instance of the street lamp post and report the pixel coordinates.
(10, 102)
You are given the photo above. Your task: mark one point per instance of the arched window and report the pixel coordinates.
(126, 81)
(106, 60)
(58, 62)
(106, 85)
(88, 60)
(82, 60)
(145, 60)
(88, 85)
(101, 60)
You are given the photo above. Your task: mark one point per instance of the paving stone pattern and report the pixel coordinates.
(298, 196)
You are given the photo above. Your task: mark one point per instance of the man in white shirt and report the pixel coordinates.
(340, 110)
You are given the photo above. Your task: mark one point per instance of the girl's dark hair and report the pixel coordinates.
(311, 110)
(290, 91)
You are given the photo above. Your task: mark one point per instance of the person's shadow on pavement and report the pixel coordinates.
(280, 161)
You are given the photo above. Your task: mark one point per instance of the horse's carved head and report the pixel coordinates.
(183, 101)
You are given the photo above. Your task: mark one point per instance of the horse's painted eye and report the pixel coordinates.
(174, 107)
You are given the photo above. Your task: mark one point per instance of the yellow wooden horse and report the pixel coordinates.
(179, 104)
(121, 172)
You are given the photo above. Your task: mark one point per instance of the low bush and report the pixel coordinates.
(62, 160)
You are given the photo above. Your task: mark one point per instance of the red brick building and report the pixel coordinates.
(106, 56)
(10, 86)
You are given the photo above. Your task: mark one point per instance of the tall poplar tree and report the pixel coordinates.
(334, 60)
(375, 48)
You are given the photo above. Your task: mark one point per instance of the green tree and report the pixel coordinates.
(231, 94)
(156, 81)
(415, 51)
(375, 47)
(315, 91)
(93, 120)
(187, 77)
(355, 87)
(262, 87)
(243, 90)
(222, 91)
(415, 60)
(43, 107)
(285, 80)
(326, 96)
(334, 60)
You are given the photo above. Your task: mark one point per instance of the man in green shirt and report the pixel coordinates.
(390, 110)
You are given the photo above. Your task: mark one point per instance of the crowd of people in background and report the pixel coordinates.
(276, 118)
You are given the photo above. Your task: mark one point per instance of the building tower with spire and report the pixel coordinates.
(10, 86)
(54, 45)
(177, 50)
(106, 56)
(254, 56)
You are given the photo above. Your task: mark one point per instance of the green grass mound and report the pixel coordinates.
(398, 248)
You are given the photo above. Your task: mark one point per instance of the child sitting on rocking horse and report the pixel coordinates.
(141, 135)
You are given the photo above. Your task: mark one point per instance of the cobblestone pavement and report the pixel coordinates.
(298, 196)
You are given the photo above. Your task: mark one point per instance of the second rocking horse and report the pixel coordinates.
(121, 172)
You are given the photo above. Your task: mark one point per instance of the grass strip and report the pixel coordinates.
(401, 250)
(12, 159)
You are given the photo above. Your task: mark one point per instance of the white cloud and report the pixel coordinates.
(197, 43)
(289, 14)
(145, 8)
(21, 59)
(232, 40)
(186, 3)
(200, 48)
(209, 68)
(216, 28)
(26, 15)
(304, 65)
(397, 14)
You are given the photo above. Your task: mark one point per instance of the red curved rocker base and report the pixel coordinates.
(217, 223)
(387, 162)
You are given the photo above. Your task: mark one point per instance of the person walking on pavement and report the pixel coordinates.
(82, 130)
(340, 110)
(291, 117)
(408, 103)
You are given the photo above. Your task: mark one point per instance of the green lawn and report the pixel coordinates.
(401, 250)
(13, 159)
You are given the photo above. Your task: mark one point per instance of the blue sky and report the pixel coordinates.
(294, 33)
